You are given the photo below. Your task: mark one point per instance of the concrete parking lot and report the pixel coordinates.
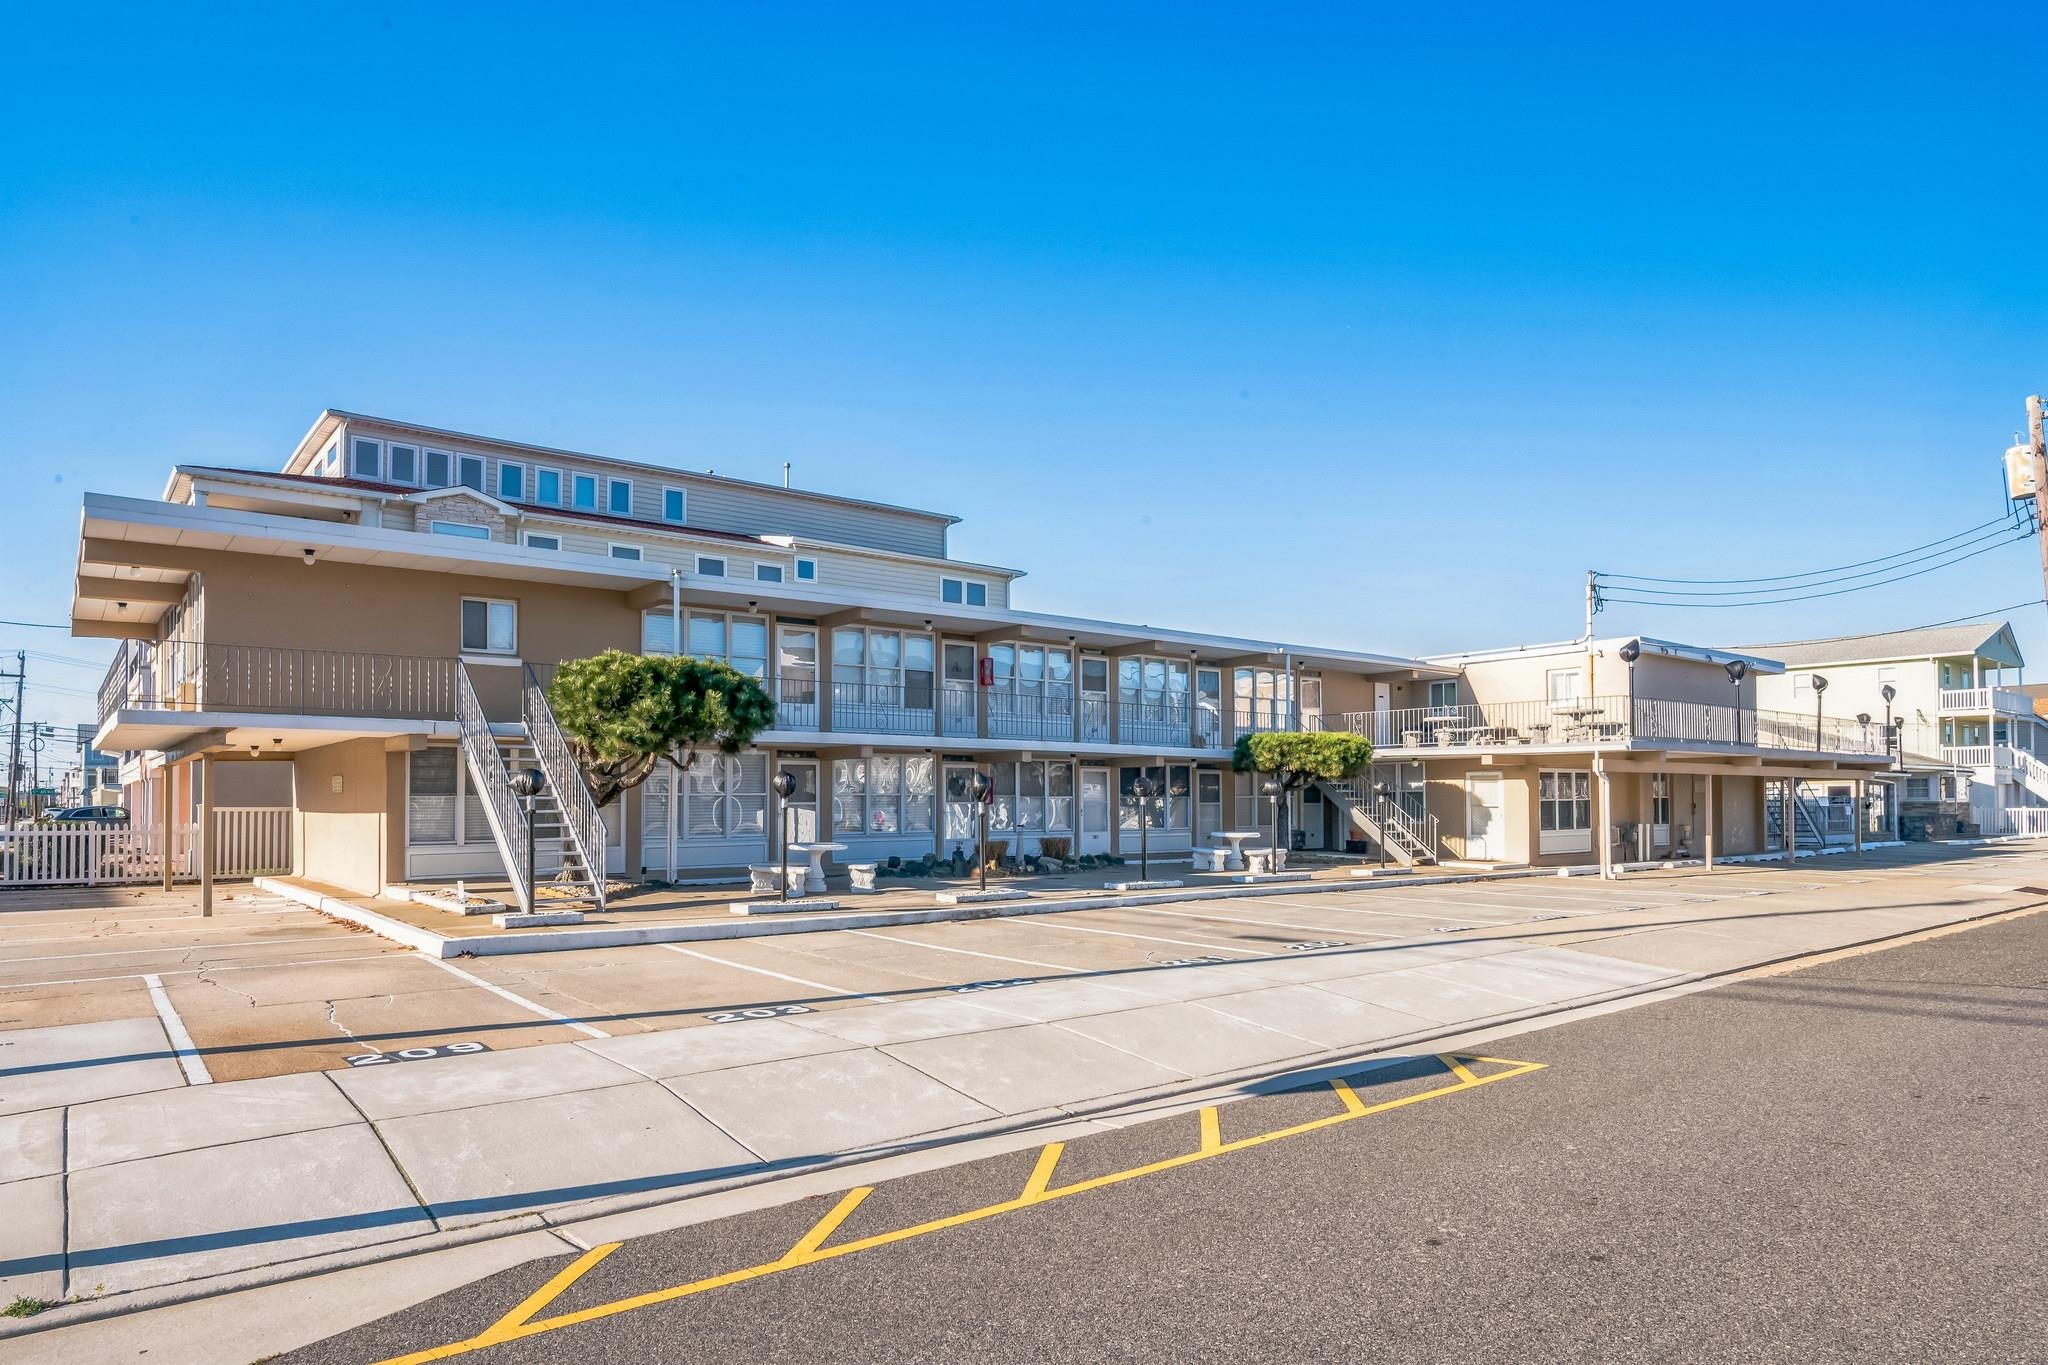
(143, 1049)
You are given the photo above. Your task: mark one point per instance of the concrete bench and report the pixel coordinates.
(861, 878)
(1211, 859)
(1264, 860)
(763, 881)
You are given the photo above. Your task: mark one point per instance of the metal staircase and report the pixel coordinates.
(1813, 830)
(568, 833)
(1402, 835)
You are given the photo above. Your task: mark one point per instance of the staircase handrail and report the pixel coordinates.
(487, 767)
(579, 811)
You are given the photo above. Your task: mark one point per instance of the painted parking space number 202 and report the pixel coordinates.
(761, 1012)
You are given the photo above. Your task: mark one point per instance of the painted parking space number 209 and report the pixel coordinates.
(415, 1054)
(761, 1012)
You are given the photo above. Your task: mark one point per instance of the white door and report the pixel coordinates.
(1485, 817)
(1094, 810)
(801, 810)
(1382, 703)
(1309, 817)
(1094, 697)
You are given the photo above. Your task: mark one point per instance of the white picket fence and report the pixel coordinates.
(2024, 820)
(249, 841)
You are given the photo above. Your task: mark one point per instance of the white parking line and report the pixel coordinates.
(1035, 922)
(779, 976)
(542, 1010)
(182, 1046)
(1270, 923)
(965, 952)
(195, 971)
(1438, 911)
(189, 949)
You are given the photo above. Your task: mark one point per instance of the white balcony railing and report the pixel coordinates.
(1984, 701)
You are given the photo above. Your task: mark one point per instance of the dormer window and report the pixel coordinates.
(469, 472)
(673, 504)
(619, 497)
(367, 461)
(511, 481)
(963, 592)
(584, 493)
(437, 469)
(405, 464)
(547, 487)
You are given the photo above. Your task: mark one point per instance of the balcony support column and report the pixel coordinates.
(1707, 823)
(166, 785)
(202, 773)
(1860, 817)
(1603, 820)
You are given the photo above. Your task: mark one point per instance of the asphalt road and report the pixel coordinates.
(1843, 1163)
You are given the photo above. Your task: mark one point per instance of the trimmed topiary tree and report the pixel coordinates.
(1299, 758)
(624, 713)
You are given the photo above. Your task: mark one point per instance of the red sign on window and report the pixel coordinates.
(988, 672)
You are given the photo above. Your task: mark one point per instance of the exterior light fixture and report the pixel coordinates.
(1820, 685)
(1272, 789)
(308, 555)
(784, 787)
(1143, 789)
(1737, 670)
(1888, 692)
(526, 784)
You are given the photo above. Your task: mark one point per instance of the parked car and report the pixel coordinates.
(84, 815)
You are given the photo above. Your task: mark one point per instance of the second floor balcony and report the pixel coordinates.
(1985, 701)
(1610, 720)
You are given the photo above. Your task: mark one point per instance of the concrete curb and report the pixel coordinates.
(557, 1222)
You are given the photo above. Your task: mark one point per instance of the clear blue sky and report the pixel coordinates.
(1367, 325)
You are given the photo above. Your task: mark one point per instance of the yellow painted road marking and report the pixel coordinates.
(826, 1226)
(549, 1292)
(1041, 1174)
(1037, 1190)
(1212, 1130)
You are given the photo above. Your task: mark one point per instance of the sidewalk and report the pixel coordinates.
(171, 1184)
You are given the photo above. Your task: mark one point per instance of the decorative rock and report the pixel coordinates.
(459, 903)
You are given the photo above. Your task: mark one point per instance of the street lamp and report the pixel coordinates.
(1385, 791)
(527, 784)
(983, 790)
(1820, 685)
(1629, 653)
(1272, 787)
(1888, 692)
(1143, 789)
(1737, 670)
(784, 787)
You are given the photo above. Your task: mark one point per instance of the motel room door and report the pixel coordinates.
(1094, 810)
(1485, 817)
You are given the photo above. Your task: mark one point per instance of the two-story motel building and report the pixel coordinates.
(380, 614)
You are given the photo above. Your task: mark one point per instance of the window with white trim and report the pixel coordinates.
(727, 638)
(625, 551)
(1443, 693)
(489, 626)
(1031, 798)
(438, 464)
(469, 472)
(885, 668)
(332, 463)
(618, 497)
(467, 530)
(767, 573)
(1563, 686)
(883, 794)
(1564, 801)
(807, 570)
(674, 503)
(440, 807)
(725, 796)
(1919, 789)
(963, 591)
(1260, 697)
(1660, 799)
(710, 566)
(535, 540)
(583, 492)
(547, 487)
(367, 459)
(405, 464)
(1168, 807)
(511, 481)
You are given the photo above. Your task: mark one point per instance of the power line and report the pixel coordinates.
(2005, 532)
(1813, 596)
(38, 625)
(1812, 573)
(1975, 615)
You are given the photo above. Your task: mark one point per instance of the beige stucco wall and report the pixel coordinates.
(342, 837)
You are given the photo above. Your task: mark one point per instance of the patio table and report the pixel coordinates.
(1233, 858)
(814, 878)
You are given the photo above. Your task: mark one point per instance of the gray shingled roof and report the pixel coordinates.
(1990, 638)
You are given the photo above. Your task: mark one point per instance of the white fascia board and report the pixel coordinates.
(427, 495)
(1559, 648)
(794, 543)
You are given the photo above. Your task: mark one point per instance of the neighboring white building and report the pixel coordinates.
(1969, 738)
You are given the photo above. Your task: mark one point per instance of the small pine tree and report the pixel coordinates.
(1297, 759)
(623, 714)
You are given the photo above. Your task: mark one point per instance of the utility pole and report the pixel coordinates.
(14, 746)
(2026, 477)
